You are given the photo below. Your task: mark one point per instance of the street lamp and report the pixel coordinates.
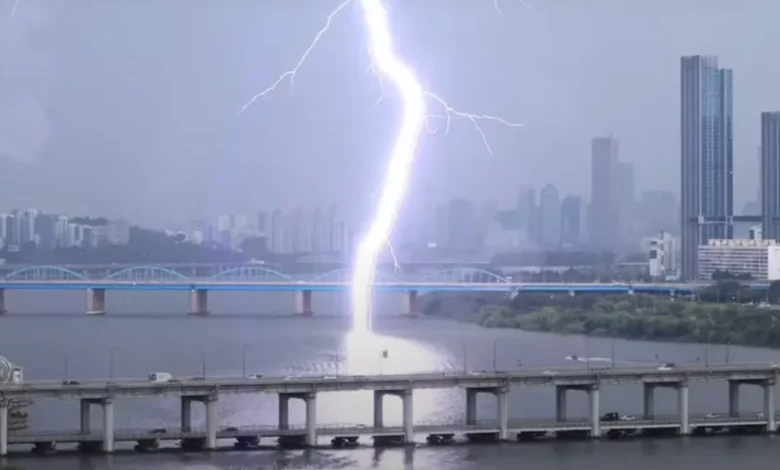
(465, 357)
(243, 360)
(495, 356)
(111, 363)
(203, 363)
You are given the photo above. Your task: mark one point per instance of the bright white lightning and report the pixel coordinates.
(13, 10)
(386, 64)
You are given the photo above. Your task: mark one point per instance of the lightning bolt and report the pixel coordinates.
(13, 10)
(388, 65)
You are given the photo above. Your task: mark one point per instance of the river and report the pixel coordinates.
(49, 336)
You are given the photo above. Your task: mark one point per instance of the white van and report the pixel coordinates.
(160, 377)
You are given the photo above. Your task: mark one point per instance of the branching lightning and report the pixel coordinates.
(386, 64)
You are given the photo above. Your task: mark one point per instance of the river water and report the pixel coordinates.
(47, 334)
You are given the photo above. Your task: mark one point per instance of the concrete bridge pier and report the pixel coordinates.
(734, 397)
(199, 302)
(211, 421)
(108, 425)
(648, 393)
(769, 405)
(85, 408)
(502, 396)
(96, 301)
(303, 303)
(682, 408)
(407, 399)
(3, 428)
(411, 304)
(186, 414)
(502, 408)
(594, 405)
(2, 302)
(379, 420)
(310, 399)
(595, 413)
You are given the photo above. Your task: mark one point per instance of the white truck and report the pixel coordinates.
(160, 377)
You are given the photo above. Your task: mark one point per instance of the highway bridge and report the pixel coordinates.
(264, 279)
(104, 393)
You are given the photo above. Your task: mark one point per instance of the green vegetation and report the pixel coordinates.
(725, 313)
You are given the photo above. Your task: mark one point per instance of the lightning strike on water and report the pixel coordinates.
(388, 65)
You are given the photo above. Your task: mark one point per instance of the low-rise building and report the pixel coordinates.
(760, 259)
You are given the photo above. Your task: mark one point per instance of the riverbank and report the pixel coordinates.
(632, 317)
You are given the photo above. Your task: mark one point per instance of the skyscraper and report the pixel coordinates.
(707, 207)
(628, 216)
(550, 217)
(605, 190)
(770, 175)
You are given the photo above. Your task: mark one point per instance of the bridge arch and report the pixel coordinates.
(345, 275)
(45, 273)
(251, 274)
(147, 274)
(465, 276)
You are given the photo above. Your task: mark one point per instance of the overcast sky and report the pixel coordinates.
(128, 107)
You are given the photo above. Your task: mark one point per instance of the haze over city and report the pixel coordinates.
(98, 119)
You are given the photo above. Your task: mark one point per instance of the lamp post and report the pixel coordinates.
(495, 356)
(111, 363)
(243, 359)
(465, 357)
(203, 363)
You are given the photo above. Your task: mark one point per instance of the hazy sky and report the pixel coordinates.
(128, 107)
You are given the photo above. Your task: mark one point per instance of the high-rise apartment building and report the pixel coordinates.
(628, 216)
(605, 194)
(770, 175)
(707, 208)
(550, 217)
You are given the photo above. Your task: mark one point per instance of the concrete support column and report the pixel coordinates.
(3, 429)
(682, 408)
(284, 411)
(769, 406)
(471, 406)
(503, 414)
(560, 403)
(408, 405)
(199, 302)
(2, 301)
(96, 301)
(379, 409)
(108, 425)
(595, 413)
(649, 401)
(733, 398)
(211, 422)
(186, 414)
(411, 304)
(311, 419)
(85, 416)
(303, 303)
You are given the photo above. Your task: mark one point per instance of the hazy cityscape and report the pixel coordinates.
(374, 233)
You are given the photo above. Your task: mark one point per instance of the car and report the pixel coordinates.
(628, 418)
(329, 377)
(230, 429)
(256, 376)
(549, 372)
(158, 431)
(70, 382)
(198, 379)
(174, 380)
(666, 367)
(712, 416)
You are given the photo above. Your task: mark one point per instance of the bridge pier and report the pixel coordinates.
(502, 408)
(411, 304)
(108, 425)
(3, 428)
(734, 397)
(96, 301)
(310, 399)
(379, 420)
(594, 405)
(502, 396)
(303, 303)
(186, 414)
(199, 302)
(648, 410)
(682, 408)
(407, 399)
(595, 414)
(769, 405)
(211, 421)
(85, 408)
(2, 302)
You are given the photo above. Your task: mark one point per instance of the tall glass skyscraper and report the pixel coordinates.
(770, 175)
(706, 156)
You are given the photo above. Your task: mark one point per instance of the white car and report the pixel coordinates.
(627, 418)
(256, 376)
(549, 372)
(712, 416)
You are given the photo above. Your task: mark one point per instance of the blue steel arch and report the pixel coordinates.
(345, 275)
(465, 276)
(147, 274)
(251, 274)
(45, 273)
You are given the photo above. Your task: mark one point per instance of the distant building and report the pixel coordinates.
(550, 217)
(571, 221)
(770, 174)
(758, 258)
(661, 256)
(605, 209)
(706, 157)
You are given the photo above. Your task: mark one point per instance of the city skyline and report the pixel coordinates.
(188, 149)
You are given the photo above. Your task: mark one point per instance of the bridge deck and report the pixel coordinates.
(515, 426)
